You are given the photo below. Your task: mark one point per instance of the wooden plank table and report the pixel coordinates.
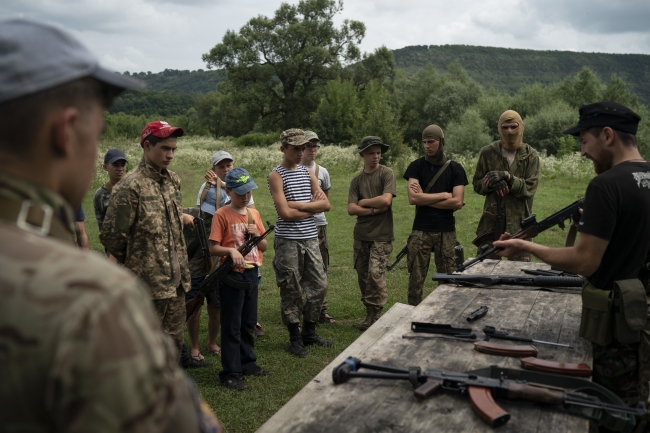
(374, 405)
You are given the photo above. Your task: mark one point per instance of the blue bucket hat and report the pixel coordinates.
(240, 181)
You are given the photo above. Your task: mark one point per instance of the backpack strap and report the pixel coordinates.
(435, 178)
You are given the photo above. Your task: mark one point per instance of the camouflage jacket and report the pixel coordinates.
(143, 229)
(82, 349)
(519, 201)
(100, 203)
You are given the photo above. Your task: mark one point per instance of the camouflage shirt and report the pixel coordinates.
(519, 201)
(100, 202)
(143, 229)
(81, 348)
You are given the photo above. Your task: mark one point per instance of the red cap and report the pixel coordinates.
(160, 129)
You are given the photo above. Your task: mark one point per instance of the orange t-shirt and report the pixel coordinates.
(230, 228)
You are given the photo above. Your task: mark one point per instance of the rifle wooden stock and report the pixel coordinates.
(193, 306)
(486, 408)
(563, 368)
(534, 392)
(515, 351)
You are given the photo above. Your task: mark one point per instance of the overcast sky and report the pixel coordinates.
(152, 35)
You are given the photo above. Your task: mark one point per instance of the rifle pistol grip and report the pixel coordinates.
(427, 388)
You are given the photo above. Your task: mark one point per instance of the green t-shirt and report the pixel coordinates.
(378, 227)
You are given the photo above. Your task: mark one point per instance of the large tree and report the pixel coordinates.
(280, 65)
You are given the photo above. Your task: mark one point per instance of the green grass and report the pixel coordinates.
(246, 411)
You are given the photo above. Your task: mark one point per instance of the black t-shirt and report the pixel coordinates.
(617, 209)
(427, 218)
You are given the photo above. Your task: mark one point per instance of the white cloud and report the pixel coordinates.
(152, 35)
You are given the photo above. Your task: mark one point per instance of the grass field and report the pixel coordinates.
(562, 182)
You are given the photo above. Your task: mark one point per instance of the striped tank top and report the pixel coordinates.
(297, 187)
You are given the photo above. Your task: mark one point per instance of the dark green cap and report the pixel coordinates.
(371, 140)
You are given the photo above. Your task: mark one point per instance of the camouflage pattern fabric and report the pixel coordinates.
(172, 315)
(100, 203)
(370, 262)
(518, 202)
(420, 246)
(324, 247)
(143, 229)
(82, 348)
(300, 275)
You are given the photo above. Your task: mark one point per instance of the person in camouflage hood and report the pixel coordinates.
(507, 171)
(143, 227)
(82, 349)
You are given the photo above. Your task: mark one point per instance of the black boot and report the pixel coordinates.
(296, 348)
(310, 337)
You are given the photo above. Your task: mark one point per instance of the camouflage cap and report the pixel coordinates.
(311, 135)
(371, 140)
(293, 137)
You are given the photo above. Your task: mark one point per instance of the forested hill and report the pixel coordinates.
(173, 92)
(508, 69)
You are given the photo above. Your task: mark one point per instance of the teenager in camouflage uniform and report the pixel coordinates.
(115, 165)
(298, 264)
(143, 227)
(612, 250)
(370, 199)
(323, 176)
(507, 168)
(82, 348)
(434, 227)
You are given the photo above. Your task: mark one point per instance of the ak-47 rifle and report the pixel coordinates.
(222, 270)
(531, 228)
(404, 251)
(508, 280)
(616, 416)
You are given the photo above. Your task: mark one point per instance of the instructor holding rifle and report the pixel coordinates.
(612, 250)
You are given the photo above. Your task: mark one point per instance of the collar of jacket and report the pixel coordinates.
(523, 152)
(19, 190)
(158, 175)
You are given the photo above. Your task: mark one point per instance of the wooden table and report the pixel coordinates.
(374, 405)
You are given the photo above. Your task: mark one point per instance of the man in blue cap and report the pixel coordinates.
(115, 165)
(83, 348)
(612, 250)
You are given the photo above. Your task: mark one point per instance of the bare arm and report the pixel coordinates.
(237, 259)
(82, 236)
(359, 210)
(418, 197)
(456, 200)
(319, 201)
(584, 258)
(380, 201)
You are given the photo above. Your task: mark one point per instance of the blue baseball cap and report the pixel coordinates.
(114, 155)
(240, 181)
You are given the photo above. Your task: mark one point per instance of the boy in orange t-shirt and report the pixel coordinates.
(231, 227)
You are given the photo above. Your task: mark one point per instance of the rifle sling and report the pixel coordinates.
(435, 178)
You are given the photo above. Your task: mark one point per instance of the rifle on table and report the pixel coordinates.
(404, 251)
(531, 228)
(482, 389)
(509, 280)
(222, 270)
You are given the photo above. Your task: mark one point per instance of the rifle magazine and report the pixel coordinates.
(486, 408)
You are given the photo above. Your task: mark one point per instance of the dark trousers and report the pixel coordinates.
(238, 319)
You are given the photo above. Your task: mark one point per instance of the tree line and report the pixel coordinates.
(297, 69)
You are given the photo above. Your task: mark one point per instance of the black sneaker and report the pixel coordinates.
(296, 348)
(194, 363)
(315, 339)
(259, 372)
(235, 382)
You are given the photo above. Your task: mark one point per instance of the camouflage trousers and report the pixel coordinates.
(324, 247)
(301, 277)
(171, 312)
(624, 369)
(420, 246)
(370, 262)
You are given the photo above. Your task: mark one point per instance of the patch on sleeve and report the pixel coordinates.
(123, 217)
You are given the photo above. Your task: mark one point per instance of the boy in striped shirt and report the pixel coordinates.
(298, 264)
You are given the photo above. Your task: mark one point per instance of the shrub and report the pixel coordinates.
(468, 134)
(257, 139)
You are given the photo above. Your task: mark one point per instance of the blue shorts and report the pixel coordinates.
(212, 296)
